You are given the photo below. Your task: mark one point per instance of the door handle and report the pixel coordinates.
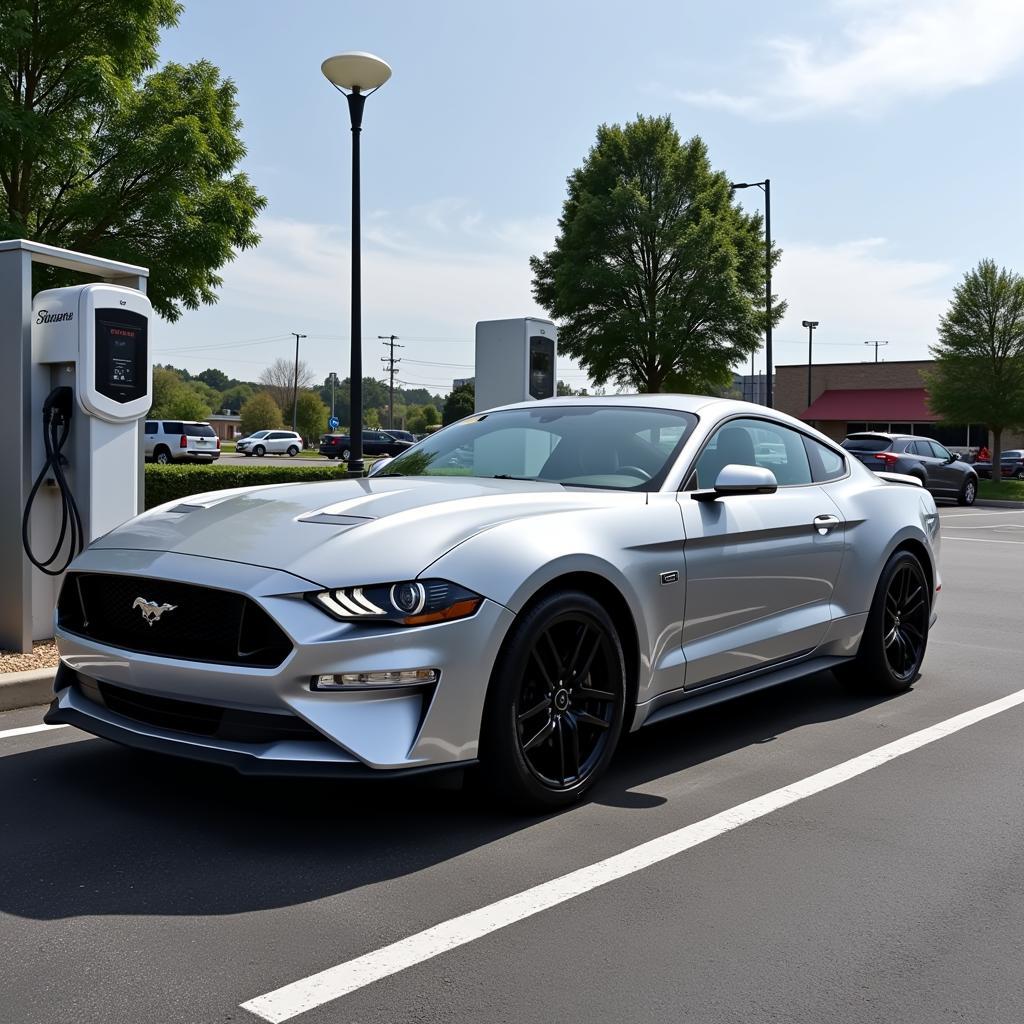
(825, 523)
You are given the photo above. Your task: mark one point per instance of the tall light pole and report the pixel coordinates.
(334, 381)
(356, 75)
(295, 385)
(810, 325)
(766, 187)
(876, 344)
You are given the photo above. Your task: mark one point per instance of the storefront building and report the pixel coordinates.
(889, 396)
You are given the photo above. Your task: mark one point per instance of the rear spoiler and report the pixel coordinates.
(900, 478)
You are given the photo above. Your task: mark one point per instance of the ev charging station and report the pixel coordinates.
(515, 362)
(76, 379)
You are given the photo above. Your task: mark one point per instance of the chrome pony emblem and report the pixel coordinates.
(151, 611)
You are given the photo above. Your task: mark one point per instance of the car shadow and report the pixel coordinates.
(92, 828)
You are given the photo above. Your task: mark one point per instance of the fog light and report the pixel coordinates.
(400, 677)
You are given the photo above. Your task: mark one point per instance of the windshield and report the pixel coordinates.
(617, 447)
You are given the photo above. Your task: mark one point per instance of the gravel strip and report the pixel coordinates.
(44, 655)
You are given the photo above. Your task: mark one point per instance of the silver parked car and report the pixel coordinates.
(270, 442)
(512, 593)
(169, 441)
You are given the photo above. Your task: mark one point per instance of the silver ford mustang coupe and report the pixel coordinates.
(512, 593)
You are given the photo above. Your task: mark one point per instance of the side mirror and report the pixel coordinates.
(954, 457)
(378, 466)
(735, 479)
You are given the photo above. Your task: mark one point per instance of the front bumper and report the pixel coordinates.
(375, 730)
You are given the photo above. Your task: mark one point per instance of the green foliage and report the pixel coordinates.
(418, 418)
(98, 156)
(176, 399)
(260, 412)
(168, 483)
(565, 390)
(656, 277)
(216, 379)
(312, 416)
(979, 358)
(459, 403)
(234, 398)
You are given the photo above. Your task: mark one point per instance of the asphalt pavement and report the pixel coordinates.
(810, 857)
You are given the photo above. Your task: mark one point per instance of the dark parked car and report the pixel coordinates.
(375, 442)
(940, 471)
(402, 435)
(1011, 464)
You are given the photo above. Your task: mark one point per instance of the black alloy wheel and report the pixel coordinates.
(895, 638)
(905, 621)
(556, 704)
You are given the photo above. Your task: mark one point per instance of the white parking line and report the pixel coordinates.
(982, 540)
(974, 515)
(284, 1003)
(9, 734)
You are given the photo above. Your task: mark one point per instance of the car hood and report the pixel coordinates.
(370, 530)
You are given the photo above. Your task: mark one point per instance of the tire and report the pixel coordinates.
(331, 457)
(346, 455)
(259, 451)
(1019, 475)
(292, 451)
(162, 456)
(544, 742)
(968, 492)
(895, 637)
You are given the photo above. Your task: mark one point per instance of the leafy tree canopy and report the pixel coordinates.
(174, 398)
(279, 381)
(656, 276)
(979, 357)
(260, 412)
(311, 420)
(216, 379)
(458, 404)
(234, 398)
(99, 156)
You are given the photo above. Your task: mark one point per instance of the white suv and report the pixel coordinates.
(181, 441)
(276, 442)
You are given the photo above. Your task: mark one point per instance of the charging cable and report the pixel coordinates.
(56, 427)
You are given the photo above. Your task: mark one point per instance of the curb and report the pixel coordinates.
(26, 689)
(997, 503)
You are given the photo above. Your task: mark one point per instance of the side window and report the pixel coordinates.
(173, 427)
(938, 451)
(923, 448)
(151, 426)
(826, 464)
(755, 443)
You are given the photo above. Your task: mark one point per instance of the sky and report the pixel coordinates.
(891, 131)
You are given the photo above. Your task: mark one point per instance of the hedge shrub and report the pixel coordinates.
(166, 483)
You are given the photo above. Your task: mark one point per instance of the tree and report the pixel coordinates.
(311, 421)
(98, 156)
(176, 399)
(656, 276)
(567, 390)
(459, 403)
(278, 381)
(216, 379)
(979, 358)
(420, 417)
(261, 412)
(234, 398)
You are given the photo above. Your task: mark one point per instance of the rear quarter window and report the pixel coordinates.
(826, 463)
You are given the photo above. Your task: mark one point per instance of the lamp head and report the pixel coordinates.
(356, 71)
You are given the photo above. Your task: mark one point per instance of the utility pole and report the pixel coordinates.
(876, 344)
(810, 325)
(391, 362)
(295, 386)
(334, 381)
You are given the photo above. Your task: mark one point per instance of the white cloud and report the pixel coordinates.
(888, 51)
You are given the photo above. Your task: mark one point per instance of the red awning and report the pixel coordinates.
(877, 405)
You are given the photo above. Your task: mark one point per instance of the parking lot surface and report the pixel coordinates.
(134, 888)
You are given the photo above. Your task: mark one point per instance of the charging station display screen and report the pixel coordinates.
(121, 344)
(542, 367)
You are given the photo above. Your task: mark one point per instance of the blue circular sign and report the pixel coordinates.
(333, 422)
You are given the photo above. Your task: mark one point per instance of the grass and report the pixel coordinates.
(1005, 490)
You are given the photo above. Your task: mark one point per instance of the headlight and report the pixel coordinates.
(409, 603)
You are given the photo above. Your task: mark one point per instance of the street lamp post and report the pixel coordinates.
(810, 325)
(295, 385)
(356, 75)
(766, 187)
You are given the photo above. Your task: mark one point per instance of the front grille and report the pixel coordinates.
(201, 624)
(185, 716)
